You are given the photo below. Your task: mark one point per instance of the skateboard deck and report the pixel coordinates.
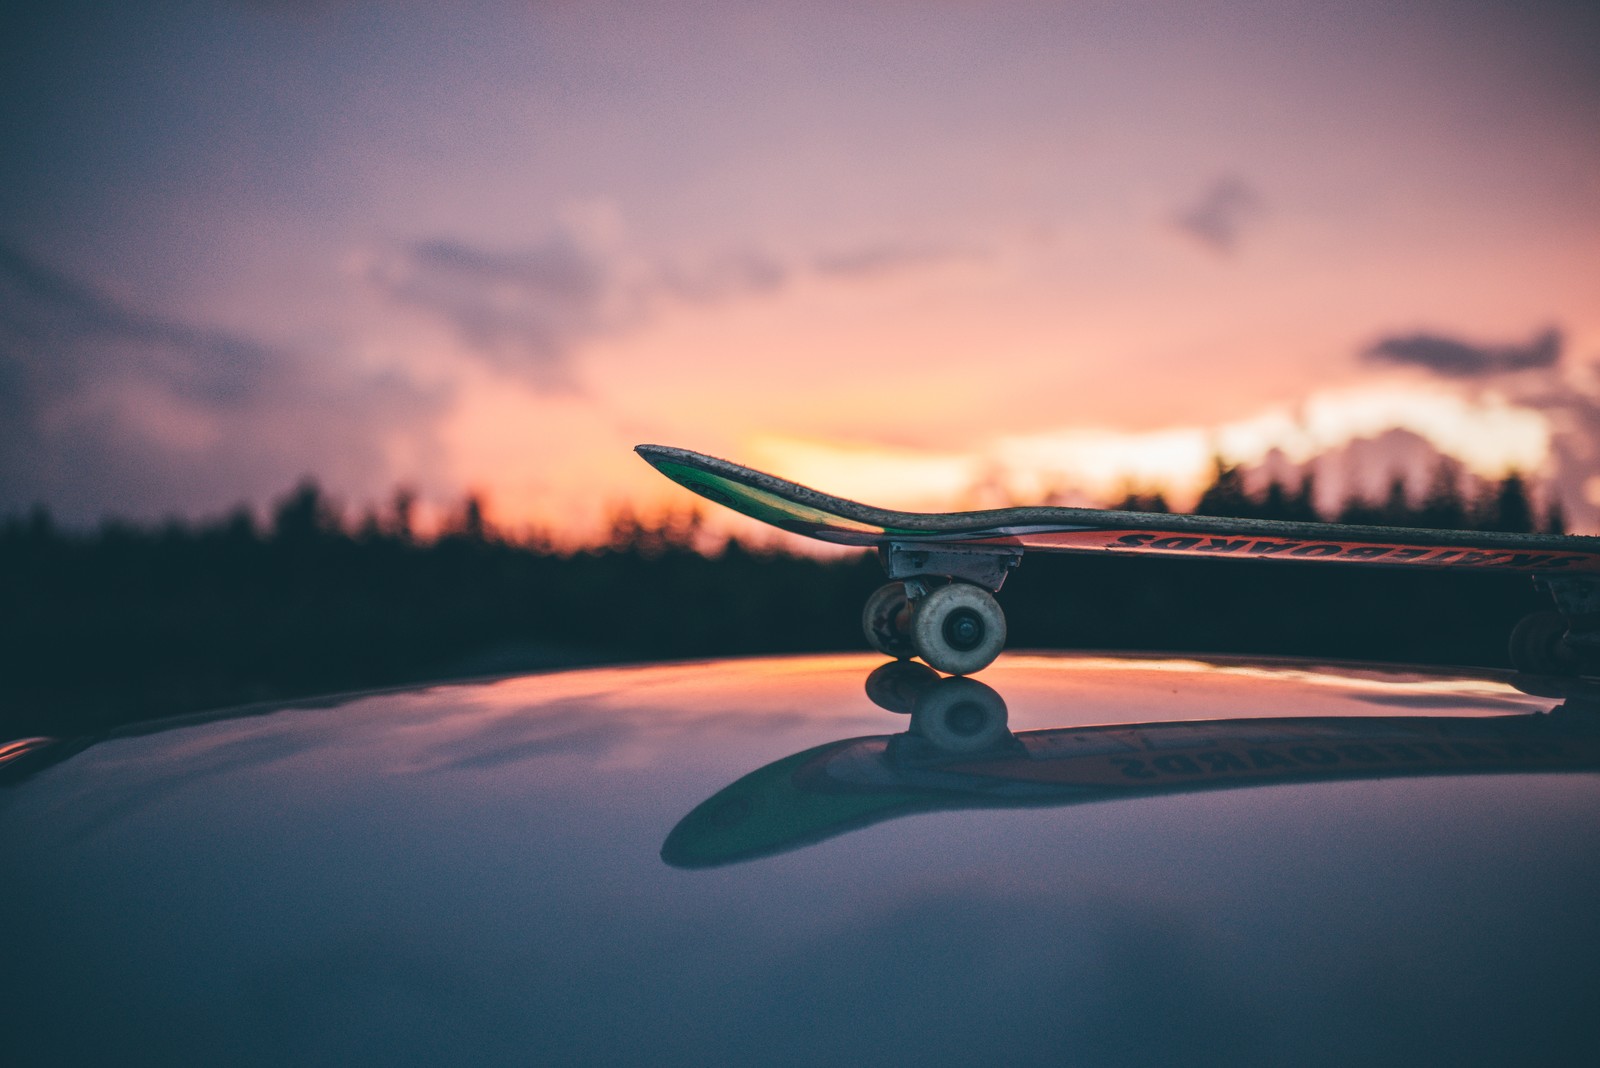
(802, 510)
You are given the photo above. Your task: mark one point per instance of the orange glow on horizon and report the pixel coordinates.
(967, 385)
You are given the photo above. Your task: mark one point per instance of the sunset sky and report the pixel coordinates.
(925, 254)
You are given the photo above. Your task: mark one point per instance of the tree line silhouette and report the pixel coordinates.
(1492, 505)
(129, 622)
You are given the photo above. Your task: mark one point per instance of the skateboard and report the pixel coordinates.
(945, 567)
(958, 753)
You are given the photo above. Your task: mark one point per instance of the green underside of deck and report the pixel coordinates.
(768, 507)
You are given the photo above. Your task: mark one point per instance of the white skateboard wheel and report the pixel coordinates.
(958, 628)
(886, 621)
(960, 716)
(1539, 645)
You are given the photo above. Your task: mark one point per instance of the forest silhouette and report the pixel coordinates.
(127, 622)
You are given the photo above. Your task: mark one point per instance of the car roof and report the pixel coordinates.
(760, 860)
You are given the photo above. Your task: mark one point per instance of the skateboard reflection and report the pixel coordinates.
(958, 752)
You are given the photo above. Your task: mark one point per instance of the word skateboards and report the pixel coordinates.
(945, 566)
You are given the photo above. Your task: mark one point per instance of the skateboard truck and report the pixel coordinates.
(1560, 641)
(939, 606)
(981, 565)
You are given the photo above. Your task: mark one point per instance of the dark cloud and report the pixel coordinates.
(523, 311)
(42, 309)
(1220, 216)
(1569, 401)
(107, 408)
(732, 275)
(1461, 359)
(527, 311)
(887, 258)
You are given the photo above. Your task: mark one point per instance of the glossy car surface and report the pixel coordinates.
(694, 864)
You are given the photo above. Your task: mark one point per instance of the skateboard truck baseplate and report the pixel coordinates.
(981, 565)
(1577, 598)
